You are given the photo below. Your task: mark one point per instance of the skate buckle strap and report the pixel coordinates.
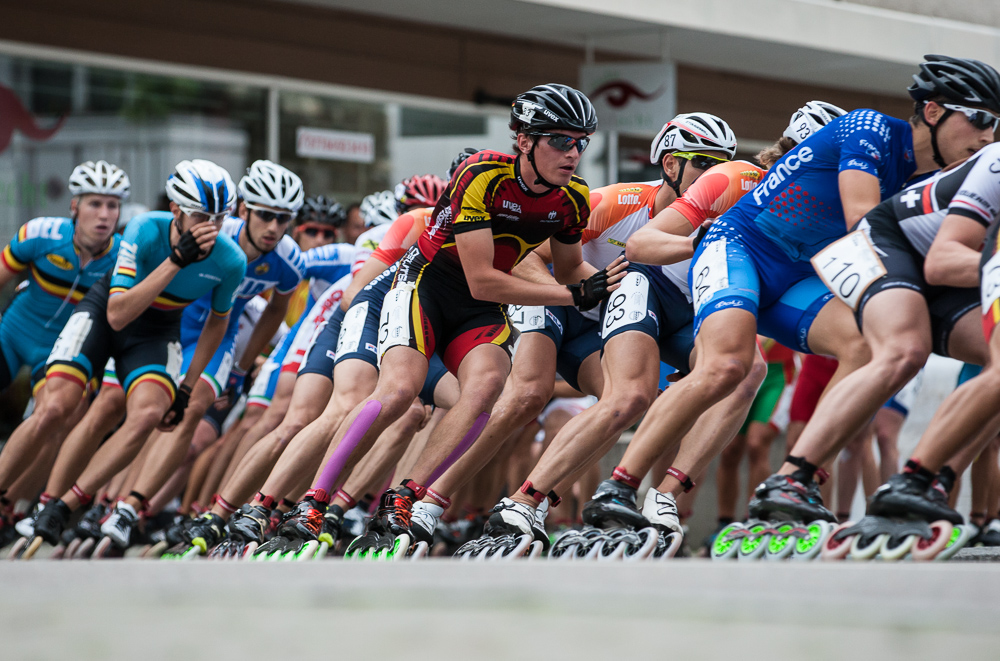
(553, 497)
(45, 498)
(319, 495)
(822, 476)
(622, 475)
(347, 498)
(914, 466)
(266, 501)
(808, 467)
(681, 477)
(419, 491)
(84, 498)
(225, 504)
(287, 502)
(443, 501)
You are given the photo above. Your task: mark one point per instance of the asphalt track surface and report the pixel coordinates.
(445, 609)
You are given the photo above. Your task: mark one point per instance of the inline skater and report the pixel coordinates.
(271, 196)
(648, 316)
(447, 289)
(795, 212)
(64, 258)
(166, 262)
(570, 341)
(317, 224)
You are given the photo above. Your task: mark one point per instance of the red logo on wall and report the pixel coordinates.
(13, 115)
(618, 93)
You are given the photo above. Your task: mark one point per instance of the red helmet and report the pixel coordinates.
(419, 191)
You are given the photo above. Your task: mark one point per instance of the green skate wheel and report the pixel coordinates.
(307, 552)
(837, 549)
(810, 545)
(926, 549)
(726, 544)
(753, 546)
(782, 543)
(321, 552)
(399, 548)
(960, 536)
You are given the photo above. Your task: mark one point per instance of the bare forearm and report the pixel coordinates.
(655, 247)
(502, 288)
(371, 270)
(951, 264)
(208, 344)
(124, 308)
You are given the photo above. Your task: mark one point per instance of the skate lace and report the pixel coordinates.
(400, 511)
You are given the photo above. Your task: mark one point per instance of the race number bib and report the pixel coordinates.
(394, 322)
(527, 317)
(989, 289)
(710, 274)
(848, 266)
(352, 328)
(71, 338)
(627, 305)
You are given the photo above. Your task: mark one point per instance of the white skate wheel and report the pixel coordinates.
(17, 549)
(102, 549)
(649, 537)
(866, 549)
(520, 548)
(673, 543)
(419, 551)
(72, 548)
(307, 552)
(86, 548)
(248, 551)
(535, 550)
(58, 552)
(926, 549)
(898, 552)
(837, 549)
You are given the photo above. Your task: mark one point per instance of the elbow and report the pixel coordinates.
(116, 320)
(630, 251)
(482, 290)
(934, 273)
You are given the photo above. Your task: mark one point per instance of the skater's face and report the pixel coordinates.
(958, 135)
(96, 217)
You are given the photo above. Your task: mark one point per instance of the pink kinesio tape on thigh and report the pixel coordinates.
(467, 441)
(357, 430)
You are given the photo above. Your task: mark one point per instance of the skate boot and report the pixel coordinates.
(989, 535)
(354, 521)
(909, 496)
(246, 529)
(333, 524)
(89, 525)
(661, 510)
(8, 534)
(424, 524)
(783, 498)
(26, 526)
(202, 534)
(118, 527)
(510, 532)
(387, 534)
(297, 536)
(51, 521)
(613, 506)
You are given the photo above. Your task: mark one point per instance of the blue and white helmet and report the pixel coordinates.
(810, 118)
(271, 185)
(201, 186)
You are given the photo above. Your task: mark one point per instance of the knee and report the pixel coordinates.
(145, 418)
(747, 389)
(484, 392)
(395, 400)
(903, 362)
(530, 399)
(627, 407)
(414, 416)
(287, 430)
(55, 411)
(724, 374)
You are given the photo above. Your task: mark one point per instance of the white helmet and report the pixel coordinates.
(379, 208)
(201, 185)
(810, 118)
(100, 178)
(272, 185)
(694, 131)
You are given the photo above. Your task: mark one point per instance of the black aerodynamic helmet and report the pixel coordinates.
(959, 80)
(553, 106)
(461, 158)
(323, 210)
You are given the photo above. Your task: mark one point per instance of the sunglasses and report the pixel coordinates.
(981, 119)
(564, 142)
(700, 161)
(324, 232)
(267, 215)
(202, 217)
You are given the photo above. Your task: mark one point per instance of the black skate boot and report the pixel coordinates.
(613, 506)
(388, 532)
(245, 532)
(909, 496)
(783, 498)
(333, 523)
(51, 521)
(8, 534)
(205, 532)
(89, 525)
(988, 535)
(511, 531)
(305, 521)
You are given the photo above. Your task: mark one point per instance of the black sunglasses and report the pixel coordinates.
(267, 215)
(565, 142)
(981, 119)
(316, 231)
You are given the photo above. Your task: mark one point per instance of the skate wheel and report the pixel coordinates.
(925, 549)
(248, 551)
(837, 549)
(811, 544)
(321, 552)
(960, 536)
(399, 548)
(156, 550)
(190, 554)
(419, 550)
(782, 543)
(32, 548)
(102, 548)
(753, 546)
(58, 552)
(520, 547)
(72, 547)
(672, 542)
(648, 538)
(726, 544)
(896, 549)
(307, 551)
(17, 549)
(86, 548)
(606, 550)
(535, 550)
(866, 548)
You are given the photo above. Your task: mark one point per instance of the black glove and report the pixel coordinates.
(186, 251)
(590, 292)
(702, 231)
(177, 408)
